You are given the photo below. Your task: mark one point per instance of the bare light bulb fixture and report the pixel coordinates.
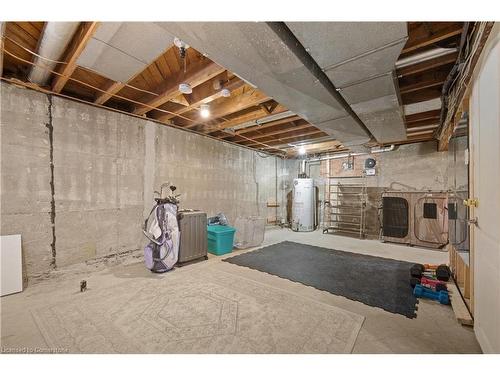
(204, 110)
(184, 87)
(225, 93)
(302, 150)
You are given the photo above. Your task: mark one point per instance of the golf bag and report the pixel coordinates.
(161, 228)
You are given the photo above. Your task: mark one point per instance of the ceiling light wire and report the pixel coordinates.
(65, 63)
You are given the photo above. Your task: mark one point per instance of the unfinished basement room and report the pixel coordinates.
(270, 187)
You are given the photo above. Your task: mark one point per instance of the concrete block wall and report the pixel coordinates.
(106, 166)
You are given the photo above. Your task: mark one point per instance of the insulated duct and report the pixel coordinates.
(360, 62)
(55, 38)
(120, 50)
(254, 51)
(290, 63)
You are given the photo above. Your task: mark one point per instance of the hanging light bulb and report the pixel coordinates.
(204, 110)
(225, 93)
(184, 87)
(302, 150)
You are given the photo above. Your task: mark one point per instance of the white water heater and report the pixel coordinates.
(303, 205)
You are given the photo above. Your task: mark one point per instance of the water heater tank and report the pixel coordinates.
(303, 209)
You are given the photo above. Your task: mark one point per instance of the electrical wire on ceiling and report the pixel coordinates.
(65, 63)
(471, 47)
(94, 87)
(120, 97)
(182, 49)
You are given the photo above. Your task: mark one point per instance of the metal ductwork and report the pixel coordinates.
(424, 56)
(290, 62)
(359, 58)
(264, 120)
(120, 50)
(253, 51)
(56, 37)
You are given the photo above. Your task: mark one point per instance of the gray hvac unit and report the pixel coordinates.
(193, 236)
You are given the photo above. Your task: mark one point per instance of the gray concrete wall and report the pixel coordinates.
(25, 178)
(106, 166)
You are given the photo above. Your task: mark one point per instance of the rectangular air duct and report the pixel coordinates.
(120, 50)
(256, 53)
(359, 58)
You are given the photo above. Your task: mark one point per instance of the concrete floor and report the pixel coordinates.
(435, 329)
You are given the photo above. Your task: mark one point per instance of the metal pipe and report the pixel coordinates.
(264, 120)
(424, 56)
(291, 41)
(344, 155)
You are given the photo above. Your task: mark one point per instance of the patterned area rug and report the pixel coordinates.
(203, 311)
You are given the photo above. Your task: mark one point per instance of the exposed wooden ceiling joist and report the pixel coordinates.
(234, 104)
(426, 34)
(315, 148)
(195, 75)
(427, 65)
(421, 95)
(203, 94)
(298, 136)
(74, 50)
(269, 124)
(422, 81)
(2, 33)
(303, 126)
(258, 114)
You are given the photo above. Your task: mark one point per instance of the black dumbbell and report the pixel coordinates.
(417, 270)
(443, 272)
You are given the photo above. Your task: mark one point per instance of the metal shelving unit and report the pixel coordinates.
(344, 207)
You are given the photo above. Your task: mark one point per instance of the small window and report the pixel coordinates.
(452, 211)
(430, 211)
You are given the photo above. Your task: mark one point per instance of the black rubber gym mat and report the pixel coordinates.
(374, 281)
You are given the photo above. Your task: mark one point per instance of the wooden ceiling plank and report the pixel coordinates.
(2, 33)
(426, 40)
(203, 94)
(269, 124)
(282, 131)
(427, 115)
(279, 140)
(73, 51)
(421, 123)
(234, 104)
(111, 90)
(427, 65)
(195, 75)
(258, 114)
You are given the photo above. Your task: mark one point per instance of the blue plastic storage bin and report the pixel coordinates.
(220, 239)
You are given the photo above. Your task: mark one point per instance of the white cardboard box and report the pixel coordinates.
(11, 265)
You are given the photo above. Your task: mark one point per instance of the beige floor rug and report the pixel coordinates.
(202, 311)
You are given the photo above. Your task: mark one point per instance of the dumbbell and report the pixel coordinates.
(441, 296)
(441, 272)
(417, 270)
(428, 283)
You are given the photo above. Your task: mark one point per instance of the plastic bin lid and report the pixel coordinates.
(220, 228)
